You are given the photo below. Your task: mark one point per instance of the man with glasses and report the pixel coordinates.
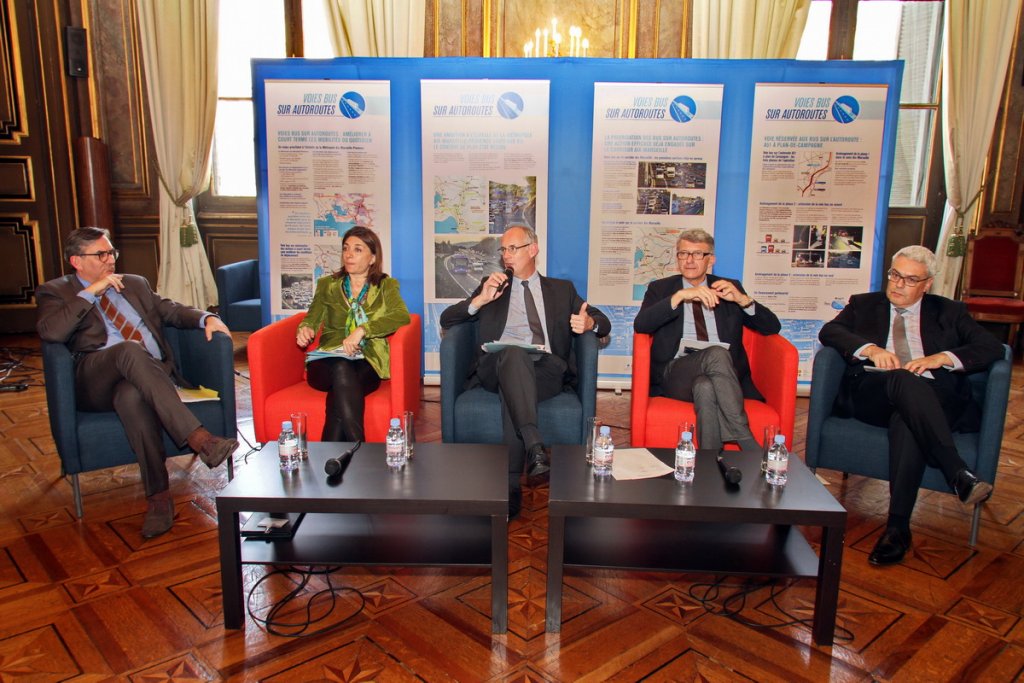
(909, 353)
(112, 323)
(697, 353)
(525, 309)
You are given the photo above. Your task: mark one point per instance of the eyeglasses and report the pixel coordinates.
(695, 255)
(512, 248)
(910, 280)
(104, 255)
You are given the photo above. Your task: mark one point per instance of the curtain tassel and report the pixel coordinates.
(956, 245)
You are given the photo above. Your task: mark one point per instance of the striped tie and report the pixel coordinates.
(127, 330)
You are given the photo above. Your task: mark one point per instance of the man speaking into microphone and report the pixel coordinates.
(533, 310)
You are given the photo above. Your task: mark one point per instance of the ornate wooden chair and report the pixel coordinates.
(994, 278)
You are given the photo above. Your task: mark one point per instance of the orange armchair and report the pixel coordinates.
(773, 366)
(277, 374)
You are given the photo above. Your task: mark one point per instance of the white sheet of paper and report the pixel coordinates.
(685, 343)
(637, 463)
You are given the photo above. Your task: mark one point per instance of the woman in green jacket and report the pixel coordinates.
(358, 307)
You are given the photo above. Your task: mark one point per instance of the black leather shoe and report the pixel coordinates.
(515, 503)
(537, 463)
(969, 489)
(891, 547)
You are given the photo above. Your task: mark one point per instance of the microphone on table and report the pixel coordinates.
(335, 467)
(504, 285)
(732, 475)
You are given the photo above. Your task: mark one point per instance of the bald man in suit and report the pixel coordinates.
(501, 304)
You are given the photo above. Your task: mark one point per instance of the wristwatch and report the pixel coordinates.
(748, 305)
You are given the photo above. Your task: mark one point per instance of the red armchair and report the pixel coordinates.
(277, 374)
(773, 367)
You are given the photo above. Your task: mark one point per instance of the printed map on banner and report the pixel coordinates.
(460, 205)
(336, 213)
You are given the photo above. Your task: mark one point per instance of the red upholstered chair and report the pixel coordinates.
(773, 366)
(994, 278)
(277, 374)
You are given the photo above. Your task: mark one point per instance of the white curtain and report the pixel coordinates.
(977, 41)
(179, 51)
(377, 28)
(748, 29)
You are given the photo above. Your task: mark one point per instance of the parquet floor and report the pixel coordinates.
(90, 600)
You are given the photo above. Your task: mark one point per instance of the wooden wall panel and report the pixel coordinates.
(36, 195)
(21, 274)
(1004, 197)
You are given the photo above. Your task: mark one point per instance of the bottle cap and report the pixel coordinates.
(395, 422)
(606, 430)
(687, 436)
(780, 438)
(286, 426)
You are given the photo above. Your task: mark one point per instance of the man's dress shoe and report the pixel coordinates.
(159, 517)
(969, 489)
(891, 547)
(537, 462)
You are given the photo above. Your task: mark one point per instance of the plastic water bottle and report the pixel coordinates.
(778, 462)
(394, 444)
(686, 458)
(288, 447)
(604, 452)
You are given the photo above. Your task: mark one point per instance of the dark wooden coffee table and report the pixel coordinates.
(702, 527)
(449, 506)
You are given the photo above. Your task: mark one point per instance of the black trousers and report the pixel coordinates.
(918, 413)
(125, 378)
(347, 383)
(522, 381)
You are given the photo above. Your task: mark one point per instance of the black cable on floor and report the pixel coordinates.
(734, 604)
(298, 629)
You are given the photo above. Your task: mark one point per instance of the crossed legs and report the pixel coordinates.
(708, 379)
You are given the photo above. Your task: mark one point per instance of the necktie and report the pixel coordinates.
(899, 337)
(698, 321)
(127, 330)
(532, 316)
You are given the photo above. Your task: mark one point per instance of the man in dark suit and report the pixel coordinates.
(112, 323)
(925, 345)
(687, 363)
(526, 308)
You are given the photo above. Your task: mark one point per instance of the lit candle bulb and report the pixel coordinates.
(558, 43)
(526, 49)
(586, 44)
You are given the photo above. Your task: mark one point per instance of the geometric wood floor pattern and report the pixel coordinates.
(90, 600)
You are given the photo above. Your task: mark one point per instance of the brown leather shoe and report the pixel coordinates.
(212, 450)
(216, 450)
(159, 516)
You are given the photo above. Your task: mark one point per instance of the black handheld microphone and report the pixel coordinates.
(732, 475)
(335, 467)
(504, 285)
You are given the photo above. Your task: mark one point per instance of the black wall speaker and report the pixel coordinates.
(76, 52)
